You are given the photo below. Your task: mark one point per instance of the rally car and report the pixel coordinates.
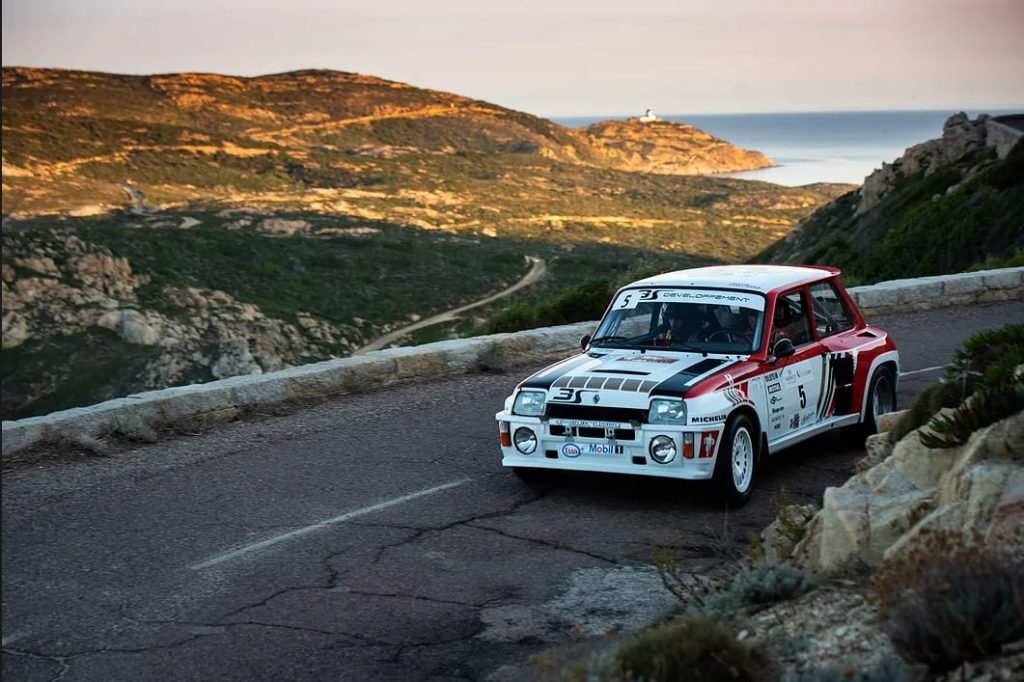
(697, 374)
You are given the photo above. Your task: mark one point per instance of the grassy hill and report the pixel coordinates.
(948, 205)
(185, 227)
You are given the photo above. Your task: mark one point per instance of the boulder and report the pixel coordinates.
(976, 489)
(134, 327)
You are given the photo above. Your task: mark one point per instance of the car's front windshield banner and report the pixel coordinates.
(632, 297)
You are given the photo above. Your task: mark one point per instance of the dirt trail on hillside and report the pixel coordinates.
(538, 270)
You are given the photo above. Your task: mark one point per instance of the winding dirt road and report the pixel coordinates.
(538, 270)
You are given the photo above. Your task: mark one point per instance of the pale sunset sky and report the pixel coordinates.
(566, 57)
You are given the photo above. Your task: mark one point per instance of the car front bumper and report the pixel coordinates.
(623, 450)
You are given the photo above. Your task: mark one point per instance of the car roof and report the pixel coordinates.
(761, 278)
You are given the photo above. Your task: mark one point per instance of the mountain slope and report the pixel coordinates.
(74, 136)
(946, 205)
(186, 227)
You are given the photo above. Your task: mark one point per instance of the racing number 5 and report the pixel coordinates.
(803, 396)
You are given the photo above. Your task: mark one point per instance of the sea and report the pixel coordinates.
(833, 146)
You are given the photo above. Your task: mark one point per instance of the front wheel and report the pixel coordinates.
(737, 460)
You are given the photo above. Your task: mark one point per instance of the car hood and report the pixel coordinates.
(627, 378)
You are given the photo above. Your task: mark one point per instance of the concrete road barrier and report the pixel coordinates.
(147, 414)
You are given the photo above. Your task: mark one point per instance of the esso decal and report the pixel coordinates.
(571, 450)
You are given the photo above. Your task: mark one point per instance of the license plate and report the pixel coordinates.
(590, 424)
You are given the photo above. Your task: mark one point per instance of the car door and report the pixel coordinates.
(835, 327)
(794, 384)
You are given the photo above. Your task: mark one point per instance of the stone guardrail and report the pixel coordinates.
(144, 414)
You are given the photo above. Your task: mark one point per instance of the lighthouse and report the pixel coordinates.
(648, 117)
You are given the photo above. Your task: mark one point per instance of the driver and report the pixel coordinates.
(787, 324)
(736, 324)
(678, 325)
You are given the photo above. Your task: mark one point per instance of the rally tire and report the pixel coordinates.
(736, 463)
(881, 400)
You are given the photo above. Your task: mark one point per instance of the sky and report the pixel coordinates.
(566, 57)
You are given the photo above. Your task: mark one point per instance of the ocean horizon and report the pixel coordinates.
(815, 146)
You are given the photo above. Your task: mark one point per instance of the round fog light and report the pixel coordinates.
(525, 440)
(663, 449)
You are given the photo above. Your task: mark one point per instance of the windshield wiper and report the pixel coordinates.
(625, 340)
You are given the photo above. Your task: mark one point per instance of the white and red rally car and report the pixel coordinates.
(695, 374)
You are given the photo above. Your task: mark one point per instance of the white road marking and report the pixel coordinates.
(320, 525)
(922, 371)
(12, 638)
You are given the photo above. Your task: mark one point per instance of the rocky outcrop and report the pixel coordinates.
(194, 333)
(669, 148)
(946, 205)
(976, 489)
(960, 137)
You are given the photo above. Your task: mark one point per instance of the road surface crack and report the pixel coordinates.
(546, 543)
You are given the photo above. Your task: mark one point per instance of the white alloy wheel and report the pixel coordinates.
(742, 459)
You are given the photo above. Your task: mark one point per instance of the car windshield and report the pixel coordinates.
(701, 320)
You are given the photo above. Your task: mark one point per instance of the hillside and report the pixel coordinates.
(73, 139)
(947, 205)
(161, 230)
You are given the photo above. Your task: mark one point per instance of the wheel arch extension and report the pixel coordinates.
(886, 361)
(750, 413)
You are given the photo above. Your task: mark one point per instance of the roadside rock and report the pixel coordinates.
(977, 488)
(135, 327)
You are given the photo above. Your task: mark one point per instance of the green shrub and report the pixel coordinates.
(689, 648)
(984, 368)
(577, 303)
(933, 398)
(948, 601)
(755, 585)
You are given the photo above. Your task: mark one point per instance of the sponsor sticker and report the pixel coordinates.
(794, 422)
(601, 449)
(707, 445)
(647, 357)
(774, 388)
(571, 450)
(708, 420)
(632, 298)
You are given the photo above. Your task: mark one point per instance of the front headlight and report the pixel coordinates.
(529, 404)
(665, 411)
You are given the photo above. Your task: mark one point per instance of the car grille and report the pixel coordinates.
(595, 413)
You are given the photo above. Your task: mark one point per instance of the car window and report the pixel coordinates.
(790, 320)
(831, 314)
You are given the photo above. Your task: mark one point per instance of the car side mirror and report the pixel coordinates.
(783, 348)
(584, 341)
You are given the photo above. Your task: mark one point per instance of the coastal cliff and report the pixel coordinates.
(671, 148)
(946, 205)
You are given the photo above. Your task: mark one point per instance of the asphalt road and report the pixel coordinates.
(374, 537)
